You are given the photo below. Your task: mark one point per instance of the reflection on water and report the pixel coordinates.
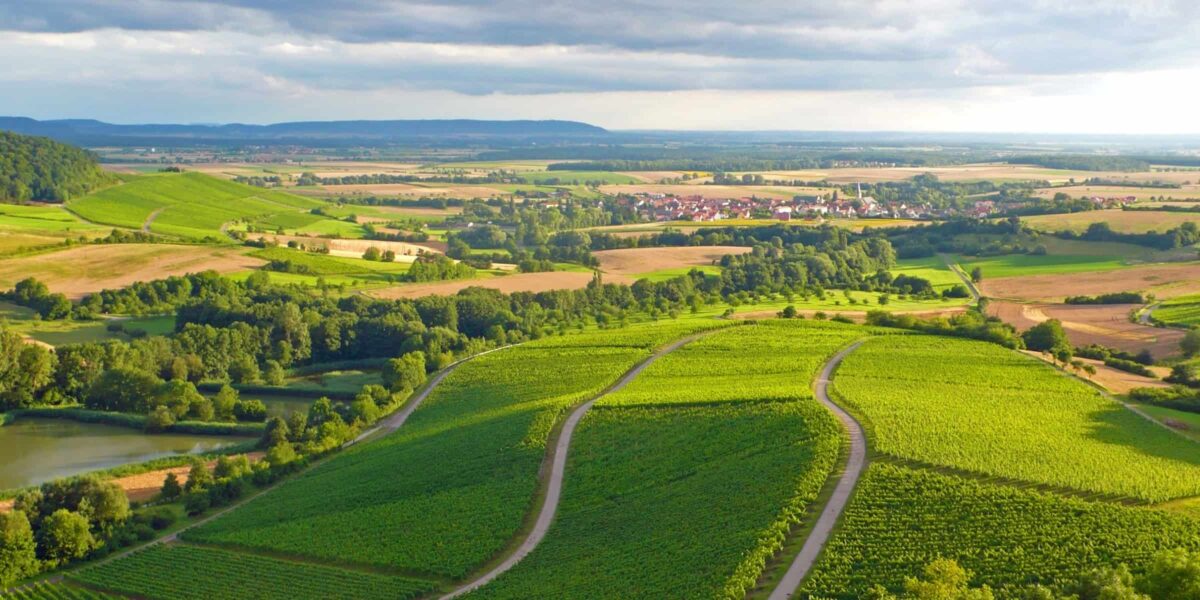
(282, 406)
(34, 451)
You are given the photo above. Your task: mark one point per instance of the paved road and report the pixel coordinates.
(841, 494)
(549, 506)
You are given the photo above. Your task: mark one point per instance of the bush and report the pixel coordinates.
(250, 410)
(196, 503)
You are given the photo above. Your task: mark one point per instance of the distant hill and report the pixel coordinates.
(90, 132)
(39, 168)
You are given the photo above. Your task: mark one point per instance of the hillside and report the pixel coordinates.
(38, 168)
(93, 132)
(192, 205)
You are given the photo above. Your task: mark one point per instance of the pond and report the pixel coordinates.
(280, 405)
(33, 450)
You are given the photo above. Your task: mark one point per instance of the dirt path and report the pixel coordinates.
(1143, 315)
(953, 266)
(558, 461)
(150, 220)
(841, 494)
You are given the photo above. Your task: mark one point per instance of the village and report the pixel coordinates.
(695, 207)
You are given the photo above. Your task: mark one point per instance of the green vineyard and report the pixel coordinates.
(57, 591)
(174, 572)
(980, 408)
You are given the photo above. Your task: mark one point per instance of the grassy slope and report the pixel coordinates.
(192, 205)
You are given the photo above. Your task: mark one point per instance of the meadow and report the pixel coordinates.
(471, 454)
(26, 227)
(920, 399)
(1124, 221)
(1018, 265)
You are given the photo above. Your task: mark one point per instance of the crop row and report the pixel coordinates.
(175, 572)
(768, 360)
(448, 490)
(686, 499)
(902, 519)
(1184, 310)
(976, 406)
(56, 591)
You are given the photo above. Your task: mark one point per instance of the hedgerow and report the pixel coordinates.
(981, 408)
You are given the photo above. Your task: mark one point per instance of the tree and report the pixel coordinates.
(1108, 583)
(944, 579)
(1047, 336)
(199, 478)
(406, 372)
(171, 488)
(977, 275)
(18, 550)
(274, 433)
(159, 420)
(223, 403)
(788, 312)
(273, 374)
(65, 536)
(244, 369)
(1172, 575)
(388, 256)
(1190, 344)
(123, 389)
(372, 253)
(281, 454)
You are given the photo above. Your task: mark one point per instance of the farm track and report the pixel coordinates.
(386, 426)
(150, 219)
(953, 266)
(558, 463)
(855, 463)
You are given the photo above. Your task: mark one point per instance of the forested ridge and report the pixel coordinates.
(38, 168)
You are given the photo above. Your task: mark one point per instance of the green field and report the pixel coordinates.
(566, 177)
(1016, 265)
(932, 268)
(1183, 311)
(986, 410)
(57, 591)
(902, 519)
(470, 459)
(176, 572)
(25, 227)
(188, 205)
(686, 482)
(665, 274)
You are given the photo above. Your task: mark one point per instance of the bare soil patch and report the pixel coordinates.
(83, 270)
(355, 248)
(631, 261)
(522, 282)
(1164, 280)
(1105, 324)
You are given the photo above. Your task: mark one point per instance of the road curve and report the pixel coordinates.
(150, 220)
(558, 467)
(841, 494)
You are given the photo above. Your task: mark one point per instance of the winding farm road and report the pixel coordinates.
(150, 219)
(841, 494)
(558, 467)
(953, 266)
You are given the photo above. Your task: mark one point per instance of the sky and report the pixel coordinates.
(1062, 66)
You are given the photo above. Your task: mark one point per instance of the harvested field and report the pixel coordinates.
(410, 189)
(1124, 221)
(1115, 381)
(634, 261)
(523, 282)
(355, 248)
(82, 270)
(711, 191)
(1119, 191)
(652, 176)
(1164, 280)
(1105, 324)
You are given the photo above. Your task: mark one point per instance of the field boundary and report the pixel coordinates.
(856, 462)
(550, 492)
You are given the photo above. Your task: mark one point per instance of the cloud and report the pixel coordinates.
(270, 51)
